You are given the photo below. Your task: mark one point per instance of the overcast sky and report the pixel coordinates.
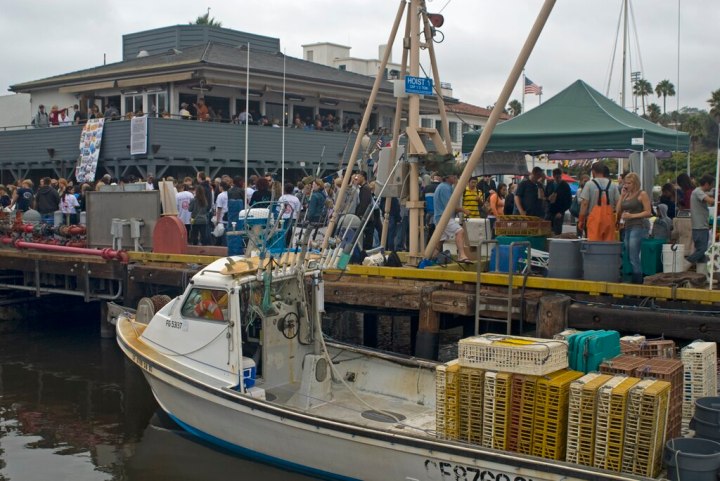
(482, 38)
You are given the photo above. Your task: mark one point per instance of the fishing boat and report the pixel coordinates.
(240, 360)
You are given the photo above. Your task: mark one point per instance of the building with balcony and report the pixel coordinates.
(166, 67)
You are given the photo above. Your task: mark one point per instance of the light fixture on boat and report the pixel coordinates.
(328, 101)
(436, 19)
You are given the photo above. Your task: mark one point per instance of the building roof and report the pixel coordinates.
(469, 109)
(209, 54)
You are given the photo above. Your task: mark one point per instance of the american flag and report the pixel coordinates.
(532, 88)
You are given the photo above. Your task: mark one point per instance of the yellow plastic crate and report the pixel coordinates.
(470, 410)
(610, 422)
(582, 410)
(496, 409)
(645, 423)
(551, 409)
(522, 416)
(447, 398)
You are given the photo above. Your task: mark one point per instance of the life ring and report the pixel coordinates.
(209, 310)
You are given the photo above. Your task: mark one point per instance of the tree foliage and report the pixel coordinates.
(642, 88)
(714, 102)
(207, 20)
(665, 89)
(515, 107)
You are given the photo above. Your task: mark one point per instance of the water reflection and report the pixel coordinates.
(71, 407)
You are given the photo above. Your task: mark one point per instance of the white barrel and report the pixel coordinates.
(83, 218)
(674, 261)
(58, 217)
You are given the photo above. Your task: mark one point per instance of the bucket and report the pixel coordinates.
(692, 459)
(601, 261)
(707, 409)
(519, 252)
(58, 218)
(705, 430)
(565, 259)
(674, 261)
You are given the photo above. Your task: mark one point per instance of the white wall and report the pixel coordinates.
(15, 110)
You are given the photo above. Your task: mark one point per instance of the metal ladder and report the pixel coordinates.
(509, 308)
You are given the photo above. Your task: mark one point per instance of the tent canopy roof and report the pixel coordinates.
(579, 119)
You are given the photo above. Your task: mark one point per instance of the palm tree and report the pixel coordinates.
(642, 88)
(515, 107)
(695, 127)
(206, 20)
(714, 102)
(653, 113)
(665, 89)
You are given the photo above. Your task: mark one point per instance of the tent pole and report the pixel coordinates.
(490, 126)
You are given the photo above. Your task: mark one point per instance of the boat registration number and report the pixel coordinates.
(142, 363)
(173, 324)
(457, 472)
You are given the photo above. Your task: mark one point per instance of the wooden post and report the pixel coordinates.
(428, 337)
(552, 315)
(413, 124)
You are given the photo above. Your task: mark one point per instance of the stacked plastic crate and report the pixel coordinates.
(447, 397)
(699, 360)
(496, 409)
(551, 410)
(670, 370)
(623, 365)
(523, 413)
(470, 410)
(610, 425)
(662, 348)
(647, 407)
(582, 410)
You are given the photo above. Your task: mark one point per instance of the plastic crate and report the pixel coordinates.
(624, 365)
(551, 410)
(496, 409)
(670, 370)
(470, 411)
(699, 360)
(610, 423)
(631, 344)
(522, 418)
(563, 336)
(522, 225)
(447, 397)
(518, 355)
(582, 411)
(645, 423)
(658, 348)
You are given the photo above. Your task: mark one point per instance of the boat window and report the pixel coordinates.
(203, 303)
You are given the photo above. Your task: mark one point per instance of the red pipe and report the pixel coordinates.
(107, 253)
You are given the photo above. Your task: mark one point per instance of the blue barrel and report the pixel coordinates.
(520, 253)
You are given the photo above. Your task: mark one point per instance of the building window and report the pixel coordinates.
(426, 123)
(310, 55)
(453, 131)
(342, 67)
(465, 128)
(438, 125)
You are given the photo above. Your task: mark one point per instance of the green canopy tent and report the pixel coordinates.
(581, 121)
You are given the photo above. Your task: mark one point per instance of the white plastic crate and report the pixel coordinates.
(513, 354)
(699, 360)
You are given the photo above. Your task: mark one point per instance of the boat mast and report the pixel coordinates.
(624, 53)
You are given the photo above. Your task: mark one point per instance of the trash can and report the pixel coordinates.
(693, 459)
(565, 260)
(601, 260)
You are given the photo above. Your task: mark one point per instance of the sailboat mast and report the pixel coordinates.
(624, 54)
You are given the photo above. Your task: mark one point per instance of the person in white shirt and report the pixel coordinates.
(69, 205)
(221, 208)
(290, 207)
(183, 199)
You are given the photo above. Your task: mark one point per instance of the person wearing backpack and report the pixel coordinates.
(597, 201)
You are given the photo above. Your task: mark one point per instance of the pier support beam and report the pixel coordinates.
(552, 315)
(427, 341)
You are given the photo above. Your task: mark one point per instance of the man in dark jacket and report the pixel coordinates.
(559, 199)
(365, 200)
(47, 200)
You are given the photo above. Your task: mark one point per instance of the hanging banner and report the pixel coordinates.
(90, 140)
(138, 135)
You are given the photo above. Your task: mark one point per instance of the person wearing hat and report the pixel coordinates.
(453, 229)
(184, 112)
(41, 119)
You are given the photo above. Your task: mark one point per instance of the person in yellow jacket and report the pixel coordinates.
(472, 199)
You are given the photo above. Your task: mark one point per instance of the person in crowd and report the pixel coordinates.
(203, 114)
(597, 208)
(291, 207)
(95, 112)
(559, 199)
(47, 201)
(530, 195)
(365, 201)
(56, 115)
(509, 208)
(23, 198)
(633, 209)
(69, 205)
(662, 227)
(111, 112)
(237, 191)
(668, 198)
(686, 187)
(453, 228)
(700, 200)
(184, 112)
(79, 117)
(5, 199)
(200, 218)
(221, 210)
(41, 119)
(183, 199)
(245, 117)
(262, 192)
(497, 206)
(472, 199)
(487, 185)
(82, 198)
(316, 205)
(429, 192)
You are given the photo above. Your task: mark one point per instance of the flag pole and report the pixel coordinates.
(522, 87)
(247, 118)
(284, 124)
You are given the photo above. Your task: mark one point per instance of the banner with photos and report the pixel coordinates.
(90, 141)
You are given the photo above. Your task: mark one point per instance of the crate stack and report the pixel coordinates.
(631, 344)
(551, 410)
(657, 348)
(496, 409)
(622, 365)
(582, 411)
(513, 354)
(610, 425)
(447, 397)
(670, 370)
(470, 410)
(647, 407)
(699, 360)
(523, 413)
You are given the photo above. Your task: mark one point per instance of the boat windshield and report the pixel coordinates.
(204, 303)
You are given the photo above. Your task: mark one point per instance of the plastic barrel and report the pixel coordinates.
(705, 429)
(674, 261)
(565, 259)
(651, 256)
(692, 459)
(537, 242)
(707, 409)
(601, 261)
(520, 252)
